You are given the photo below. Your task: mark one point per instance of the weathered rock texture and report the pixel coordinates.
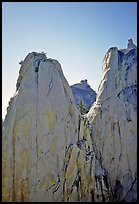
(41, 123)
(82, 91)
(51, 153)
(47, 146)
(114, 120)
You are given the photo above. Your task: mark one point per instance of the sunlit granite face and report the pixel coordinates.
(114, 120)
(41, 123)
(47, 147)
(50, 153)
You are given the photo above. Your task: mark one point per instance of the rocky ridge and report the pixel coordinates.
(114, 120)
(47, 149)
(52, 153)
(37, 130)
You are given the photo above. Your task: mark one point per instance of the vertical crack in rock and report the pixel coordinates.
(67, 160)
(119, 150)
(57, 184)
(36, 115)
(78, 179)
(130, 172)
(50, 85)
(14, 176)
(87, 160)
(118, 191)
(120, 141)
(37, 63)
(132, 185)
(79, 125)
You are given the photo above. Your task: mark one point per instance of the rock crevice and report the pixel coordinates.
(52, 153)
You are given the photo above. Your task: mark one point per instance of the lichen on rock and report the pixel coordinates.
(114, 121)
(52, 153)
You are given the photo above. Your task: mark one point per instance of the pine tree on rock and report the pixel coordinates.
(82, 107)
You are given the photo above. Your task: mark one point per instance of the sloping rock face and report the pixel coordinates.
(114, 121)
(83, 91)
(47, 150)
(52, 153)
(41, 123)
(86, 179)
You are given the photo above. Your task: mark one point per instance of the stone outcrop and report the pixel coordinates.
(40, 124)
(47, 148)
(52, 153)
(130, 44)
(114, 121)
(82, 91)
(86, 178)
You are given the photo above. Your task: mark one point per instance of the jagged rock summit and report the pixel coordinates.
(82, 91)
(114, 120)
(47, 152)
(52, 153)
(41, 123)
(130, 45)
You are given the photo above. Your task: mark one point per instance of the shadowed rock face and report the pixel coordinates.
(52, 153)
(114, 120)
(83, 91)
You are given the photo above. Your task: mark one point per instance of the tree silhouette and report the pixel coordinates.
(82, 107)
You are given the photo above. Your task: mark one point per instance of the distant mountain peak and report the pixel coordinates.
(83, 91)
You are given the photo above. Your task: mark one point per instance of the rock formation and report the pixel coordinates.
(52, 153)
(47, 150)
(41, 123)
(114, 121)
(82, 91)
(130, 44)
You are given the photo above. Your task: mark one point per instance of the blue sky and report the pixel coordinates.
(77, 34)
